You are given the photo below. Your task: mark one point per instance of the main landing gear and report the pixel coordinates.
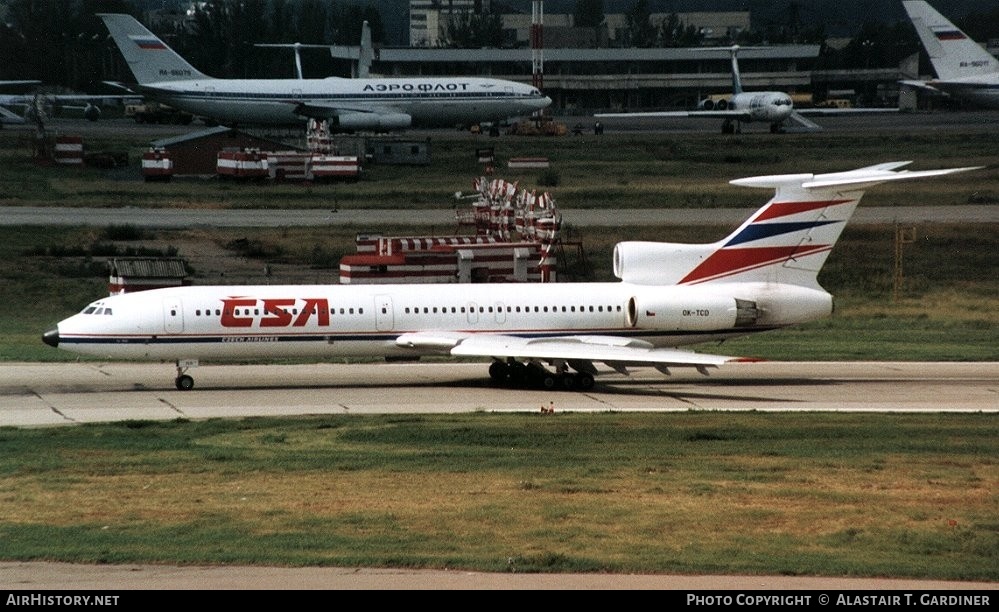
(513, 373)
(184, 381)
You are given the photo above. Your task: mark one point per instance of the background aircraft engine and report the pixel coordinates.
(691, 313)
(372, 121)
(92, 112)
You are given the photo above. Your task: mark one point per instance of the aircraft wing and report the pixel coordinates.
(832, 112)
(356, 117)
(580, 351)
(739, 115)
(8, 117)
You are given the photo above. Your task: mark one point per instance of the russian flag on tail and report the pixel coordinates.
(148, 43)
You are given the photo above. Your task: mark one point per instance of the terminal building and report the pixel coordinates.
(589, 70)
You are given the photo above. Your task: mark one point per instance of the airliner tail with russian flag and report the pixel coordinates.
(964, 69)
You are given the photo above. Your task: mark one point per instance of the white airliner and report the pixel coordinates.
(773, 107)
(964, 69)
(348, 104)
(32, 106)
(36, 107)
(761, 277)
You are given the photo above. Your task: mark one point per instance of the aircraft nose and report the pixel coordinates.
(51, 337)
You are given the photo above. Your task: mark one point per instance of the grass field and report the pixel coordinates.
(717, 493)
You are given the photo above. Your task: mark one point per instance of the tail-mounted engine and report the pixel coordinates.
(691, 313)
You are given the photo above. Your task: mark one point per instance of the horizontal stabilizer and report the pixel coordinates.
(857, 179)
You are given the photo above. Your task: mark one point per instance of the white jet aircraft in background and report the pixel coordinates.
(348, 104)
(964, 69)
(773, 107)
(761, 277)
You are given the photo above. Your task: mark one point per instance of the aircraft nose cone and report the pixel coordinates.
(51, 337)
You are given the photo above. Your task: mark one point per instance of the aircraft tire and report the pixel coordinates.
(184, 383)
(498, 371)
(584, 381)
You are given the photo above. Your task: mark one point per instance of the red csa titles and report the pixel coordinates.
(276, 312)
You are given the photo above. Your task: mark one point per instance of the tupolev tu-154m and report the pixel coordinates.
(762, 277)
(347, 104)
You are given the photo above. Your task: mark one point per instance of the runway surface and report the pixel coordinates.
(50, 394)
(112, 578)
(188, 218)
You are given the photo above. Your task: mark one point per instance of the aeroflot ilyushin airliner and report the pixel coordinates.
(761, 277)
(348, 104)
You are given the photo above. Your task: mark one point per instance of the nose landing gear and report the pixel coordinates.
(184, 381)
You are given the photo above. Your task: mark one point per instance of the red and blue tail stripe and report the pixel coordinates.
(763, 242)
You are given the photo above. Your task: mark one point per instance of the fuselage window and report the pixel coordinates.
(351, 311)
(197, 312)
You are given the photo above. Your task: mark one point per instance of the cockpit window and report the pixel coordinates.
(96, 310)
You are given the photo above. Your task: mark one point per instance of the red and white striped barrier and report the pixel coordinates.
(157, 165)
(69, 150)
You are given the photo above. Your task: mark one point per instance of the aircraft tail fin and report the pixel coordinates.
(736, 77)
(367, 54)
(953, 54)
(786, 241)
(149, 58)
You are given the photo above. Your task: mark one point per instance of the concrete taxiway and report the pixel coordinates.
(49, 394)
